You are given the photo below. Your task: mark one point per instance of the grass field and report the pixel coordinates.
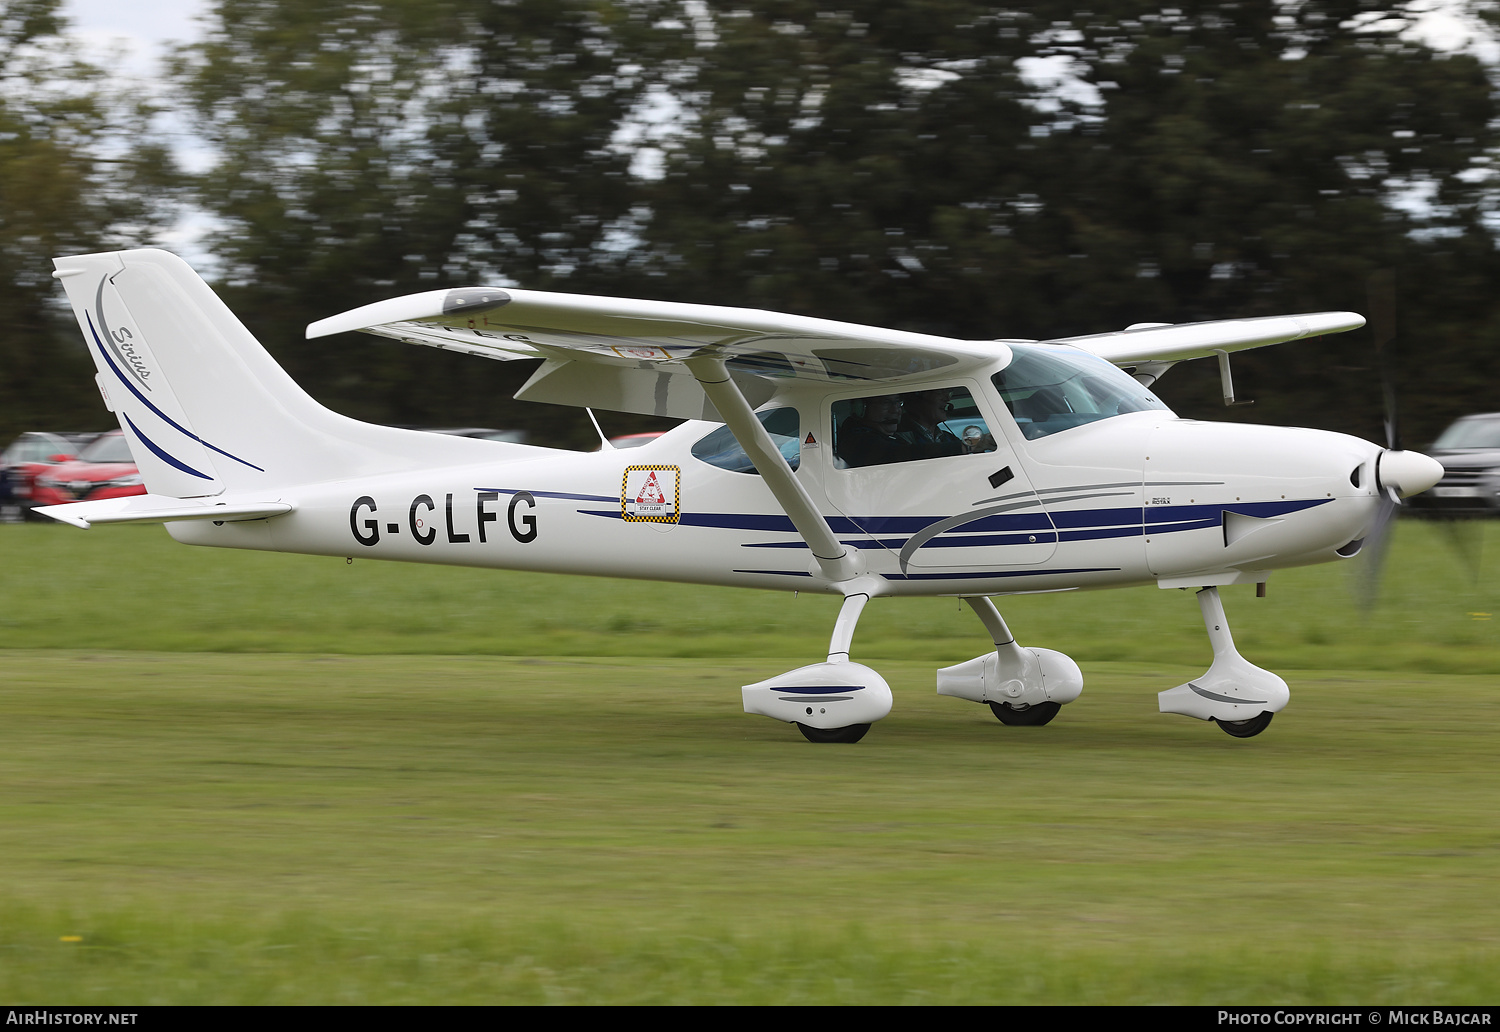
(234, 777)
(134, 588)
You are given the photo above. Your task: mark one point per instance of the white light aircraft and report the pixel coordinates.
(816, 456)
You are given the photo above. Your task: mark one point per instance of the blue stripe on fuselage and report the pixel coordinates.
(990, 531)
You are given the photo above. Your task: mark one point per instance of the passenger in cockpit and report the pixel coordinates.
(869, 437)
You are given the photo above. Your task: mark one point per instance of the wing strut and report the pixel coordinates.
(838, 561)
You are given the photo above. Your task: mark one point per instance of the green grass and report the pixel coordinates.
(134, 588)
(444, 821)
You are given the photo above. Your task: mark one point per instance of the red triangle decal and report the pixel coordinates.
(651, 491)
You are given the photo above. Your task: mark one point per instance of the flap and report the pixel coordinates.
(659, 390)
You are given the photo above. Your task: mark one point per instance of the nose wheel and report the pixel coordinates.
(1234, 693)
(1245, 728)
(1034, 715)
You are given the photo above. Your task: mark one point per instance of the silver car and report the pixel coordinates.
(1470, 453)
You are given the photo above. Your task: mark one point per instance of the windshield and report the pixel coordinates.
(1050, 389)
(1471, 433)
(109, 448)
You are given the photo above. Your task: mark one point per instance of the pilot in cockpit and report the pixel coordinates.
(922, 427)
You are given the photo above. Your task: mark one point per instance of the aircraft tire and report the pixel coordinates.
(851, 734)
(1031, 716)
(1246, 728)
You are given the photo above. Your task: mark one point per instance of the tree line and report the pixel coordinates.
(946, 166)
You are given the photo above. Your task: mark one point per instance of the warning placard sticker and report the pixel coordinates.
(642, 351)
(651, 494)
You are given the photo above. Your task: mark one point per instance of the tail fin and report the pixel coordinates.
(205, 408)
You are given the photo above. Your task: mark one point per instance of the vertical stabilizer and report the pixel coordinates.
(207, 409)
(172, 456)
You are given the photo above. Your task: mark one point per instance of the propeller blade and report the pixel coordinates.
(1466, 536)
(1377, 543)
(1382, 293)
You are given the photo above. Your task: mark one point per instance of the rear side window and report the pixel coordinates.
(719, 448)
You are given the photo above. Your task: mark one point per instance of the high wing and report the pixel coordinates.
(1156, 342)
(628, 355)
(1148, 350)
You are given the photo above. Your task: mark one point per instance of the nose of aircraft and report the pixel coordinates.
(1408, 472)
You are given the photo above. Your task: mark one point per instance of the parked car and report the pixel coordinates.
(22, 462)
(482, 433)
(1470, 453)
(104, 469)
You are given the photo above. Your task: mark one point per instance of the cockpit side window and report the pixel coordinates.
(926, 424)
(1051, 389)
(719, 448)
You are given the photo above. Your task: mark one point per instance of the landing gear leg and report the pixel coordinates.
(835, 701)
(1235, 694)
(1023, 687)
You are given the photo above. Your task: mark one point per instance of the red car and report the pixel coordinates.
(635, 440)
(28, 456)
(105, 469)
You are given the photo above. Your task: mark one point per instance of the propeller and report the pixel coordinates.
(1382, 291)
(1398, 473)
(1466, 536)
(1382, 297)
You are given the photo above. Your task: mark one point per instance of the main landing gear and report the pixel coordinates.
(1023, 687)
(1245, 728)
(850, 733)
(836, 701)
(1025, 716)
(1235, 694)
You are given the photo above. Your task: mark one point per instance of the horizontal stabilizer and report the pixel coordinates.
(159, 509)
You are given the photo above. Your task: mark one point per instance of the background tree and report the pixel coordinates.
(370, 150)
(941, 165)
(77, 174)
(901, 164)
